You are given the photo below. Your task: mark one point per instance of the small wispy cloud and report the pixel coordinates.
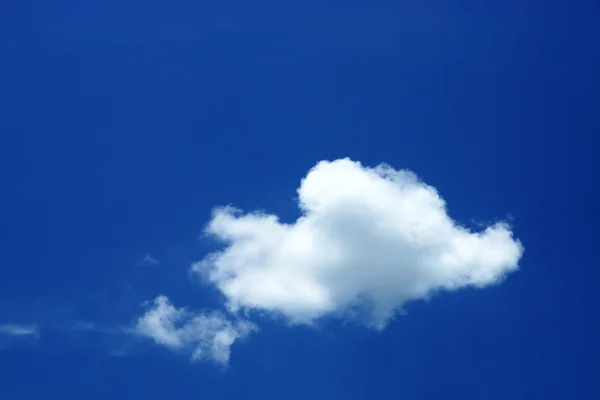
(19, 330)
(148, 260)
(205, 335)
(88, 326)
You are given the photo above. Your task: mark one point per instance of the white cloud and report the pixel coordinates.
(205, 335)
(368, 241)
(148, 260)
(19, 330)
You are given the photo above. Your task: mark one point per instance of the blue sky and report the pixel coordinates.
(125, 126)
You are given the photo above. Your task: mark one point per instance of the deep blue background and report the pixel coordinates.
(122, 123)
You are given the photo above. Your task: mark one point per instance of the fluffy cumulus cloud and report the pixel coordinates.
(204, 335)
(368, 241)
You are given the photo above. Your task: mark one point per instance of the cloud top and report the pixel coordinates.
(368, 241)
(204, 335)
